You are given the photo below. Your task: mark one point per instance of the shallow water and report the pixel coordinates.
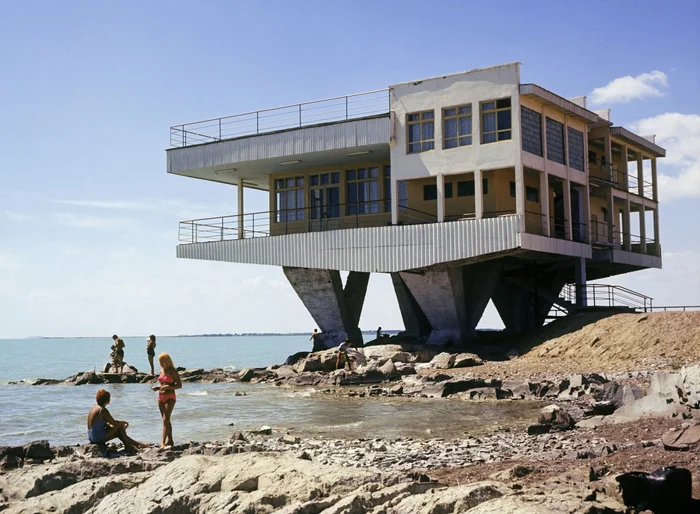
(206, 411)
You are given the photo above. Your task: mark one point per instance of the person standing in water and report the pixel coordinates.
(120, 355)
(169, 380)
(151, 351)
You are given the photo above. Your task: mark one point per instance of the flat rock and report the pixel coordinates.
(687, 438)
(443, 360)
(465, 360)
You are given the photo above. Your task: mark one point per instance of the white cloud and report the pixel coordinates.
(628, 88)
(105, 204)
(10, 261)
(679, 172)
(182, 209)
(19, 216)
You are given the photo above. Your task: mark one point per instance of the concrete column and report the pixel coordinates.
(640, 174)
(440, 182)
(335, 309)
(611, 216)
(478, 195)
(394, 200)
(241, 232)
(567, 209)
(580, 274)
(587, 190)
(642, 229)
(453, 300)
(623, 172)
(520, 191)
(414, 321)
(626, 227)
(524, 306)
(607, 143)
(654, 183)
(657, 237)
(544, 202)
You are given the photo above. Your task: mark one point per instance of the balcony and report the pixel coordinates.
(610, 175)
(317, 112)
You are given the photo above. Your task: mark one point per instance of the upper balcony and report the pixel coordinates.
(251, 146)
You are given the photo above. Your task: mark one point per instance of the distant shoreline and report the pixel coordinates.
(241, 334)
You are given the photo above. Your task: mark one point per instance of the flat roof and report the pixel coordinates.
(559, 102)
(631, 137)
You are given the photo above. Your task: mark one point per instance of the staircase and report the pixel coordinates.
(599, 297)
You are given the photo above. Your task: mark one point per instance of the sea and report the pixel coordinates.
(212, 412)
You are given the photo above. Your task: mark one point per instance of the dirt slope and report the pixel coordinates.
(595, 342)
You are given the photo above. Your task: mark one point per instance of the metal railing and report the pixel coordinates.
(682, 308)
(604, 295)
(340, 108)
(296, 221)
(625, 181)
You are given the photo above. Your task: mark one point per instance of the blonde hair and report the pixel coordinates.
(165, 362)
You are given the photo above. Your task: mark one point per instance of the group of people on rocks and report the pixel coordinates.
(117, 354)
(347, 352)
(102, 427)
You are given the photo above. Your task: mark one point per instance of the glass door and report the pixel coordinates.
(325, 198)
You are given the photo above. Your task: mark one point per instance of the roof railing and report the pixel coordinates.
(329, 110)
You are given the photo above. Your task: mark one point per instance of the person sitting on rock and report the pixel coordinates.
(102, 427)
(343, 353)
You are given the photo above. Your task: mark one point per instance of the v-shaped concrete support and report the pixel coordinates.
(335, 309)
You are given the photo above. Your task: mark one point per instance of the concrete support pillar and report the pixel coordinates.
(654, 183)
(520, 191)
(611, 216)
(657, 237)
(623, 171)
(580, 274)
(394, 201)
(241, 232)
(453, 300)
(642, 229)
(626, 227)
(478, 195)
(640, 174)
(544, 202)
(335, 309)
(440, 182)
(524, 306)
(414, 321)
(567, 209)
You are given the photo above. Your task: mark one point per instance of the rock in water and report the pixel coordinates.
(246, 374)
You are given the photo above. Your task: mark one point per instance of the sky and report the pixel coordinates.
(88, 91)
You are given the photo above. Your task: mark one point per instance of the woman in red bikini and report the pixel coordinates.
(169, 380)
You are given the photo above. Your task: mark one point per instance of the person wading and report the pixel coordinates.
(151, 351)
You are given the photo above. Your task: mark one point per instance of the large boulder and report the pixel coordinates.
(443, 360)
(465, 360)
(687, 438)
(461, 498)
(245, 375)
(556, 417)
(389, 370)
(519, 388)
(449, 387)
(38, 450)
(294, 358)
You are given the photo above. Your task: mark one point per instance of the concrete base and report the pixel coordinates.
(524, 304)
(335, 309)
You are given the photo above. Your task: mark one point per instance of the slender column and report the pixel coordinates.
(657, 237)
(478, 195)
(624, 169)
(394, 201)
(520, 191)
(241, 233)
(654, 184)
(640, 174)
(626, 227)
(440, 181)
(544, 202)
(567, 209)
(607, 143)
(611, 217)
(580, 273)
(586, 189)
(642, 228)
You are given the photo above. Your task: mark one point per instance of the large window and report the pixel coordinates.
(421, 131)
(290, 198)
(430, 191)
(532, 131)
(495, 121)
(555, 141)
(457, 123)
(575, 148)
(363, 190)
(466, 187)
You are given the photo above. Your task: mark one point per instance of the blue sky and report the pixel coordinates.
(88, 216)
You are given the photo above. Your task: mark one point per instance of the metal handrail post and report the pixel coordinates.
(222, 228)
(219, 129)
(192, 233)
(346, 107)
(253, 226)
(300, 115)
(184, 136)
(257, 122)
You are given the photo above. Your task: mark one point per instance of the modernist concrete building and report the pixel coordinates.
(465, 188)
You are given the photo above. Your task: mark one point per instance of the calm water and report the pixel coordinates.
(206, 411)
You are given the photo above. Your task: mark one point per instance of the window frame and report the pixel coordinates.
(457, 117)
(495, 110)
(529, 190)
(364, 207)
(420, 122)
(296, 213)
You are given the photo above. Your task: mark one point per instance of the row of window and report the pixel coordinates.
(457, 126)
(362, 194)
(531, 122)
(464, 188)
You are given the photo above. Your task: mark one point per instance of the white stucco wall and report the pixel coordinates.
(437, 93)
